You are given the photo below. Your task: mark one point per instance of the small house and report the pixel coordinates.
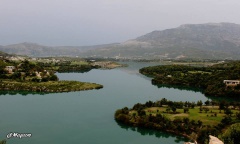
(38, 75)
(231, 82)
(10, 69)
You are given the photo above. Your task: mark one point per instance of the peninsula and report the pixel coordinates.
(35, 77)
(222, 79)
(194, 121)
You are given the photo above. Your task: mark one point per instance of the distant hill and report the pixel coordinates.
(208, 41)
(36, 50)
(197, 41)
(3, 54)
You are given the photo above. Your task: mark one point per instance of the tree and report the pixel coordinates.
(149, 104)
(185, 110)
(228, 112)
(222, 105)
(125, 110)
(238, 116)
(193, 105)
(206, 109)
(163, 101)
(174, 109)
(53, 78)
(122, 118)
(134, 115)
(207, 102)
(186, 120)
(232, 134)
(118, 112)
(141, 113)
(16, 75)
(170, 104)
(138, 107)
(199, 123)
(203, 135)
(167, 109)
(213, 103)
(199, 103)
(226, 120)
(3, 71)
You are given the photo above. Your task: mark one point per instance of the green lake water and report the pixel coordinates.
(87, 117)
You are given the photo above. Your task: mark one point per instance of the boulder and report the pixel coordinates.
(214, 140)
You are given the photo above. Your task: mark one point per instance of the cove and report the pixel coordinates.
(88, 116)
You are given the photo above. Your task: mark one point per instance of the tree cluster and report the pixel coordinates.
(210, 79)
(26, 71)
(137, 116)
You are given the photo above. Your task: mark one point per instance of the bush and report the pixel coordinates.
(232, 134)
(36, 80)
(53, 78)
(3, 142)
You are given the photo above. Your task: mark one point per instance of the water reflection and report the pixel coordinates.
(187, 88)
(158, 134)
(23, 93)
(194, 89)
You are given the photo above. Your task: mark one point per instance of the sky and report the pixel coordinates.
(92, 22)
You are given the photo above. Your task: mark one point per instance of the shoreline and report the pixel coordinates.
(48, 87)
(187, 119)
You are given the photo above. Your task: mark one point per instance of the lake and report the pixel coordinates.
(87, 117)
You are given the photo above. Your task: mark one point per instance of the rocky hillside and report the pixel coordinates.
(221, 37)
(31, 49)
(36, 50)
(3, 54)
(208, 41)
(197, 41)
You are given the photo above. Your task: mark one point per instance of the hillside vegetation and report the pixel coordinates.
(195, 41)
(194, 121)
(36, 77)
(209, 79)
(189, 41)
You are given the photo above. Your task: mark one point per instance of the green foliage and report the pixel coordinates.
(16, 75)
(185, 110)
(166, 115)
(76, 68)
(3, 142)
(50, 86)
(227, 111)
(203, 134)
(26, 70)
(210, 79)
(36, 79)
(232, 134)
(238, 116)
(174, 109)
(138, 107)
(53, 78)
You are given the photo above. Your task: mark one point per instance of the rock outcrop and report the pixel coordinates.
(214, 140)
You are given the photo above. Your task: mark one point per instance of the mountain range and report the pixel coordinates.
(194, 41)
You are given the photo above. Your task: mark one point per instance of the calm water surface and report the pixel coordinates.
(87, 117)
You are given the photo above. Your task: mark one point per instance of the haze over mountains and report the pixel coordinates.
(198, 41)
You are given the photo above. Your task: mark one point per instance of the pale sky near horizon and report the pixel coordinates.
(91, 22)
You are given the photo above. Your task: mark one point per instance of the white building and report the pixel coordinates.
(10, 69)
(231, 82)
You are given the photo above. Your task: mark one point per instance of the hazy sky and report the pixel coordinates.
(90, 22)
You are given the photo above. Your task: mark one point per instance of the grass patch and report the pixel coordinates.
(212, 117)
